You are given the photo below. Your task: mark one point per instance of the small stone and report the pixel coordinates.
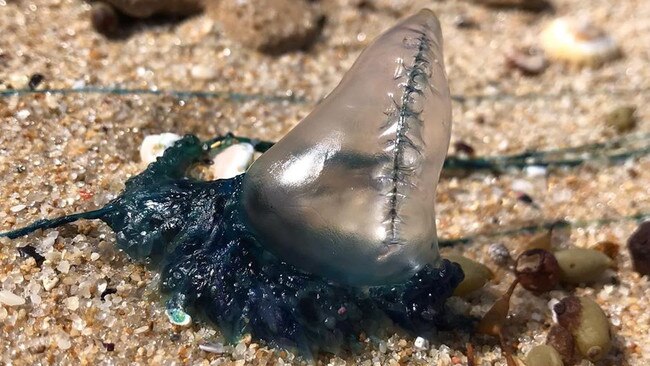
(63, 342)
(23, 114)
(147, 8)
(543, 355)
(500, 254)
(104, 18)
(581, 265)
(63, 266)
(72, 303)
(421, 344)
(639, 246)
(213, 347)
(270, 26)
(529, 62)
(465, 22)
(522, 4)
(94, 256)
(50, 282)
(203, 72)
(35, 80)
(11, 299)
(622, 119)
(50, 239)
(476, 275)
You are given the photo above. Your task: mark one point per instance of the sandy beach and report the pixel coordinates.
(63, 152)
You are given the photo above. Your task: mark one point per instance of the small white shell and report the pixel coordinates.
(153, 146)
(578, 42)
(232, 161)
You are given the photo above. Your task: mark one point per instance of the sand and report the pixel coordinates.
(66, 153)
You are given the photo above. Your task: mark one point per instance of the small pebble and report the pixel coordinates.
(213, 347)
(270, 26)
(581, 265)
(110, 347)
(622, 119)
(578, 42)
(522, 4)
(35, 80)
(17, 208)
(30, 251)
(147, 8)
(639, 246)
(500, 254)
(72, 303)
(463, 148)
(203, 72)
(543, 355)
(420, 344)
(104, 18)
(465, 22)
(476, 275)
(529, 62)
(50, 282)
(11, 299)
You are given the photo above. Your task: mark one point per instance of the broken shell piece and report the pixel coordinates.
(232, 161)
(153, 146)
(579, 42)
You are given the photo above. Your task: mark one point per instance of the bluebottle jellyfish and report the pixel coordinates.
(329, 232)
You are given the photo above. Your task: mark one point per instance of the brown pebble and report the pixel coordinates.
(147, 8)
(639, 246)
(104, 18)
(537, 270)
(622, 119)
(521, 4)
(562, 340)
(270, 26)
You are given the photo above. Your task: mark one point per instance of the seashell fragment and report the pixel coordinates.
(153, 146)
(349, 192)
(232, 161)
(578, 42)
